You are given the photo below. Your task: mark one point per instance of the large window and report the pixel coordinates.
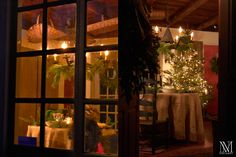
(67, 75)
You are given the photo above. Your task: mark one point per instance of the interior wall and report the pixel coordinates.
(210, 52)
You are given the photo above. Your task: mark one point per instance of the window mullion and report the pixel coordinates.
(43, 78)
(80, 78)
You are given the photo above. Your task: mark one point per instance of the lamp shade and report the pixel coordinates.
(167, 36)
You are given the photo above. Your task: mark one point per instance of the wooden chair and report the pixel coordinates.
(152, 133)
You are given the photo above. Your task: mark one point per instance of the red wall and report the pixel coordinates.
(211, 51)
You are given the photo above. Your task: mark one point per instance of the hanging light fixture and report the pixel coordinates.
(167, 35)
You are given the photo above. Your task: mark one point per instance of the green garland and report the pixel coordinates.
(100, 65)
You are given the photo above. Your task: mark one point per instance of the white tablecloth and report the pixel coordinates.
(184, 112)
(54, 137)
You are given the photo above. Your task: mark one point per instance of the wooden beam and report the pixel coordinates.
(157, 15)
(103, 26)
(186, 11)
(208, 23)
(161, 23)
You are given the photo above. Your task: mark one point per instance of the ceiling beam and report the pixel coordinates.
(103, 26)
(157, 15)
(208, 23)
(186, 11)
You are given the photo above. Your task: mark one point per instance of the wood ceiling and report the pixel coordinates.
(192, 14)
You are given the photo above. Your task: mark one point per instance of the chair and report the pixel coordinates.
(152, 133)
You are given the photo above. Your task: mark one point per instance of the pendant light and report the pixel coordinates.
(167, 35)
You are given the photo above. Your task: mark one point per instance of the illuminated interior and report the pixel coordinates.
(101, 132)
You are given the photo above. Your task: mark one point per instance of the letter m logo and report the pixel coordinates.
(226, 148)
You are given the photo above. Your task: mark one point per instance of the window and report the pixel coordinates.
(67, 75)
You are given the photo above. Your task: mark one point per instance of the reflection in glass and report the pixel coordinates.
(102, 75)
(27, 121)
(29, 31)
(28, 77)
(23, 3)
(102, 22)
(59, 122)
(61, 26)
(60, 75)
(101, 135)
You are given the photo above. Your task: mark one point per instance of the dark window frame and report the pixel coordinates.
(79, 101)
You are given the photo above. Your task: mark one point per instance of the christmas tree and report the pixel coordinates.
(186, 67)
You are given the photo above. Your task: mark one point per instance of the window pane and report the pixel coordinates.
(27, 121)
(22, 3)
(28, 77)
(61, 26)
(29, 31)
(102, 75)
(60, 75)
(101, 136)
(58, 129)
(111, 108)
(102, 22)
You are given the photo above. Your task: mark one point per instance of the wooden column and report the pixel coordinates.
(223, 128)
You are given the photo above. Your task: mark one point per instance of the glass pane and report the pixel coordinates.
(27, 121)
(102, 75)
(60, 75)
(111, 108)
(28, 77)
(102, 22)
(58, 129)
(22, 3)
(101, 133)
(29, 31)
(61, 26)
